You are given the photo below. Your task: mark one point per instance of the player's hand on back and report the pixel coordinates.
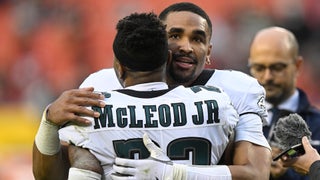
(71, 106)
(157, 166)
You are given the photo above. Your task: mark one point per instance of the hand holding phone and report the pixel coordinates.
(291, 152)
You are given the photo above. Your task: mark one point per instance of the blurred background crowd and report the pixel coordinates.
(48, 46)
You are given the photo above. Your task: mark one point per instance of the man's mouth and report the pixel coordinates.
(184, 62)
(270, 87)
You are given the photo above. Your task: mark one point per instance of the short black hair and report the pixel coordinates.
(141, 42)
(186, 6)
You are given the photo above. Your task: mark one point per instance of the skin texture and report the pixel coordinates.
(189, 41)
(250, 162)
(302, 163)
(270, 47)
(83, 159)
(50, 167)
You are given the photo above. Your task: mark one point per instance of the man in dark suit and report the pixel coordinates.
(275, 62)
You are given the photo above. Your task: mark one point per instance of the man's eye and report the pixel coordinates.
(258, 68)
(174, 36)
(199, 40)
(278, 67)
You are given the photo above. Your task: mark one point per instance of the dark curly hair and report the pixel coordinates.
(141, 42)
(189, 7)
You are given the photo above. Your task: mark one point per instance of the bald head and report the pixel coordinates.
(276, 37)
(274, 61)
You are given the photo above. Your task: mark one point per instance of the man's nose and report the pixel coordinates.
(267, 74)
(185, 46)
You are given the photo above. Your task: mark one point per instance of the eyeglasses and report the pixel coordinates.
(276, 69)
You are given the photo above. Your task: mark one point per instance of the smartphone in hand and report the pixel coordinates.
(293, 151)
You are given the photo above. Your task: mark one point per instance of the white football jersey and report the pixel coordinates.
(246, 94)
(191, 125)
(248, 98)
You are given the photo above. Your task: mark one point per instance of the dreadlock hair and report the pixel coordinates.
(141, 42)
(186, 6)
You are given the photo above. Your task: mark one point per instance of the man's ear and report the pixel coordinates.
(119, 69)
(299, 62)
(208, 61)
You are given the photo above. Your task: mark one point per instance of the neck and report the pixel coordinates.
(134, 78)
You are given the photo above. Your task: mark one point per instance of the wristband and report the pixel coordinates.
(184, 172)
(82, 174)
(47, 138)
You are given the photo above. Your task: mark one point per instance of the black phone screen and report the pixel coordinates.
(293, 151)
